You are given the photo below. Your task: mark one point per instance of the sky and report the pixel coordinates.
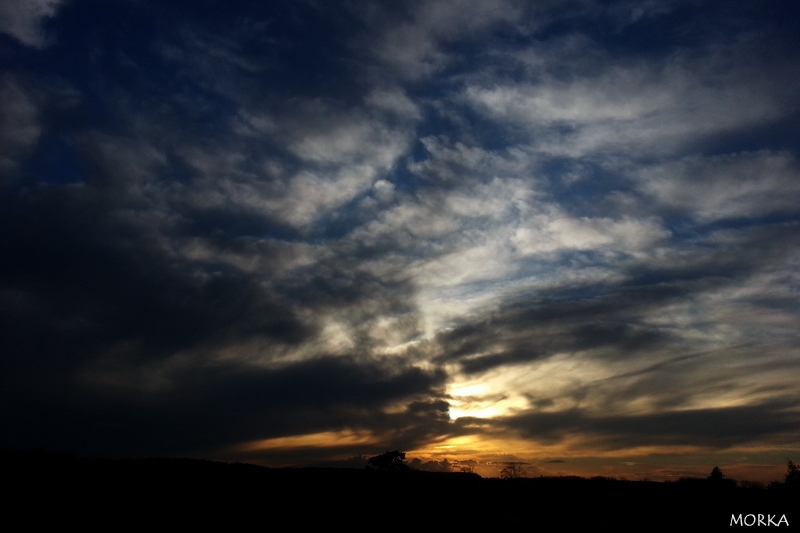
(562, 233)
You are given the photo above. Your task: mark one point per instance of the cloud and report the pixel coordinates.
(20, 127)
(326, 156)
(22, 19)
(630, 309)
(552, 232)
(607, 104)
(413, 45)
(293, 232)
(713, 428)
(395, 102)
(239, 403)
(743, 185)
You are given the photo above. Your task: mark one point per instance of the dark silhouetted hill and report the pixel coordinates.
(46, 489)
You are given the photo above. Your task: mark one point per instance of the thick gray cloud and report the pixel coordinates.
(192, 407)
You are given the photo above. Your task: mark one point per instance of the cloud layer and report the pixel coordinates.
(298, 232)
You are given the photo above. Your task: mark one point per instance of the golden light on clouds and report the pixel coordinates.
(325, 439)
(513, 388)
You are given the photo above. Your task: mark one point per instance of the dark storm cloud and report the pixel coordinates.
(213, 405)
(100, 315)
(100, 308)
(405, 429)
(96, 279)
(714, 428)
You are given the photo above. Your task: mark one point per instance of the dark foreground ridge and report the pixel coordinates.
(108, 494)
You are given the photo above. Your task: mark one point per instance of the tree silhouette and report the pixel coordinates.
(394, 460)
(716, 474)
(718, 480)
(792, 474)
(513, 471)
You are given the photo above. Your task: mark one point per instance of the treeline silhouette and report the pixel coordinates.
(110, 494)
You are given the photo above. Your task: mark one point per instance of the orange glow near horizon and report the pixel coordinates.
(488, 455)
(326, 439)
(576, 455)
